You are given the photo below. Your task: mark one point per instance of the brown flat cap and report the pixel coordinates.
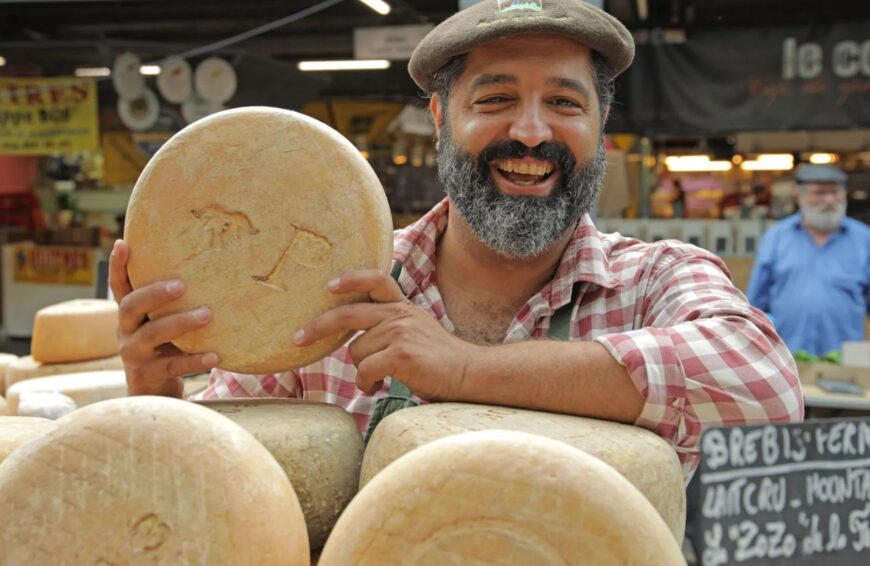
(497, 19)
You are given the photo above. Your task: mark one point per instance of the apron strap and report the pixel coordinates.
(560, 322)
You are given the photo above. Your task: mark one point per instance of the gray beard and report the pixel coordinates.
(821, 220)
(517, 227)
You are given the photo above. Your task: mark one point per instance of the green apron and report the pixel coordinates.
(400, 395)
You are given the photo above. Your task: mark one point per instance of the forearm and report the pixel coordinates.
(579, 378)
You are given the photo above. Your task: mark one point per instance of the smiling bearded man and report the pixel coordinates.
(505, 293)
(518, 227)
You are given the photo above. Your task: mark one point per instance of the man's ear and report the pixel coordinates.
(435, 109)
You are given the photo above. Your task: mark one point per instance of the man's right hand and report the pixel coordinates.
(153, 365)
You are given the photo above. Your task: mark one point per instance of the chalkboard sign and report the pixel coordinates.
(786, 494)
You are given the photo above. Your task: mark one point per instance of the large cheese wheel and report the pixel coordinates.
(27, 368)
(148, 480)
(75, 331)
(318, 446)
(83, 388)
(5, 361)
(500, 497)
(643, 458)
(15, 431)
(256, 209)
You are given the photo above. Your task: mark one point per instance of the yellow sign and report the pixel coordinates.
(60, 265)
(47, 116)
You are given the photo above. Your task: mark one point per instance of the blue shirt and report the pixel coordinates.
(816, 295)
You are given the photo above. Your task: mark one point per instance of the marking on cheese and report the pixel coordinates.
(149, 533)
(306, 248)
(224, 225)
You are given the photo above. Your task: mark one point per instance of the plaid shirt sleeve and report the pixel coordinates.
(702, 356)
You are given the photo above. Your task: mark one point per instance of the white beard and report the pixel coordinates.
(823, 217)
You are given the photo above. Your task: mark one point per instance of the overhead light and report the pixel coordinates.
(2, 61)
(378, 6)
(695, 163)
(150, 69)
(823, 158)
(769, 162)
(350, 65)
(93, 72)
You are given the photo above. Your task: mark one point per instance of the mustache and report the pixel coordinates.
(552, 151)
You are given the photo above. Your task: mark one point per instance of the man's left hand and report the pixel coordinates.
(400, 339)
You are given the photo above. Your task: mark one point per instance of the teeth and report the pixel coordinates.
(525, 168)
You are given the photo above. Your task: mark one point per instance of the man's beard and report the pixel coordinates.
(817, 218)
(518, 227)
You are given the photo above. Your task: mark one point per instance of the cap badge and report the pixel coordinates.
(508, 5)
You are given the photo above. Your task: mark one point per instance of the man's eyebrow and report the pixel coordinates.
(564, 82)
(492, 79)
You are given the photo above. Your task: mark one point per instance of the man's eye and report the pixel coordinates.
(493, 100)
(567, 102)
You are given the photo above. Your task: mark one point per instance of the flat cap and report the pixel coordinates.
(496, 19)
(811, 173)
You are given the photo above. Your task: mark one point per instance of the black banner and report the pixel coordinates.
(788, 494)
(796, 78)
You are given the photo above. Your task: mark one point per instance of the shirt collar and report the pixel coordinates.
(585, 259)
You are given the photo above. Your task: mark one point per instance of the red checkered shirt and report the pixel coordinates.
(667, 311)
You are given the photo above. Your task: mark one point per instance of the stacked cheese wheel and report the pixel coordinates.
(115, 483)
(76, 343)
(500, 497)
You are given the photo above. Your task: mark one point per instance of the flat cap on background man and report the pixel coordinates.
(812, 173)
(494, 19)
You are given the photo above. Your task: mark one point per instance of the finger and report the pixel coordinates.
(151, 335)
(372, 371)
(357, 316)
(368, 343)
(161, 369)
(162, 376)
(379, 285)
(134, 307)
(119, 280)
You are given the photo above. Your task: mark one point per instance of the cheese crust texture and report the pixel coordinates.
(83, 388)
(500, 497)
(75, 331)
(643, 458)
(256, 209)
(26, 367)
(148, 480)
(15, 431)
(318, 446)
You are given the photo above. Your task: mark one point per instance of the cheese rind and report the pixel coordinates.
(83, 388)
(256, 209)
(26, 367)
(148, 480)
(15, 431)
(642, 457)
(500, 497)
(75, 331)
(5, 361)
(318, 446)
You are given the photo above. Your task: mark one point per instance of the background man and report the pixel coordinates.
(812, 273)
(507, 294)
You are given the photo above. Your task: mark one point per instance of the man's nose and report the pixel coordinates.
(530, 126)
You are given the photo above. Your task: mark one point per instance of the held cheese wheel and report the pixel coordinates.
(500, 497)
(643, 458)
(27, 368)
(319, 447)
(83, 388)
(256, 209)
(5, 361)
(148, 480)
(15, 431)
(75, 331)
